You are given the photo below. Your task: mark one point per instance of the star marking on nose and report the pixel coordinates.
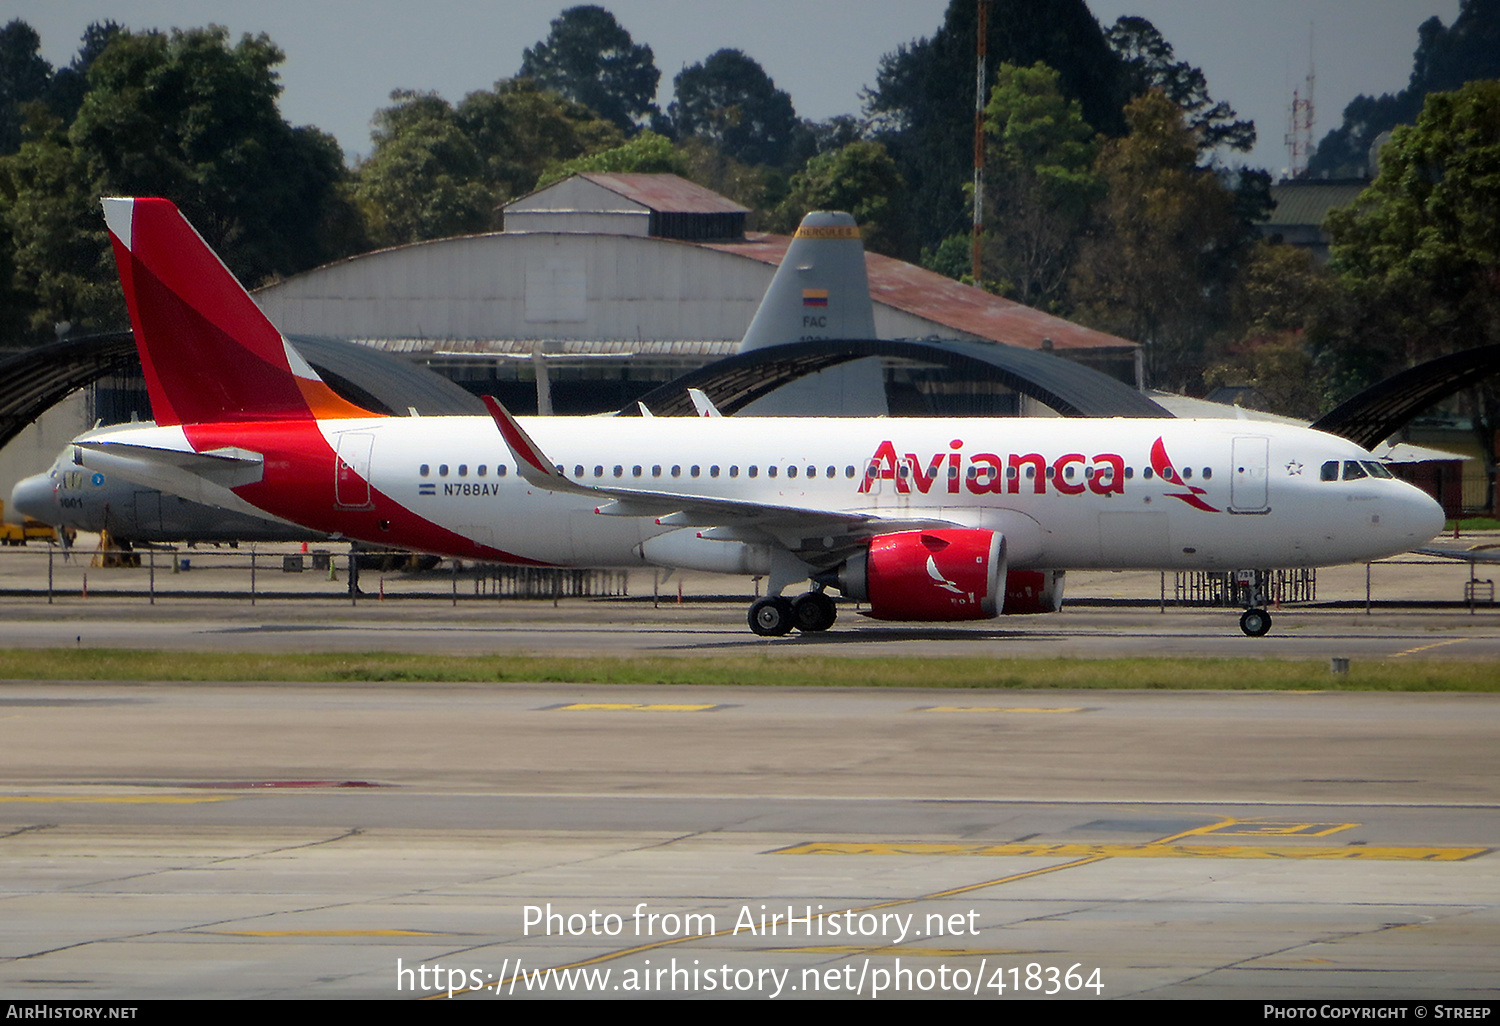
(1294, 469)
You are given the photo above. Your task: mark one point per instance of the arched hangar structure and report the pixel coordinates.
(36, 379)
(1384, 408)
(1071, 389)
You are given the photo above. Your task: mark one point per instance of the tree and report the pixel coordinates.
(729, 101)
(1445, 59)
(191, 117)
(589, 58)
(1159, 267)
(1420, 248)
(647, 153)
(1149, 63)
(1041, 185)
(521, 130)
(24, 77)
(438, 170)
(861, 179)
(70, 84)
(922, 105)
(424, 179)
(1283, 303)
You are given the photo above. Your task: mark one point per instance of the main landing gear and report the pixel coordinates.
(1255, 622)
(809, 612)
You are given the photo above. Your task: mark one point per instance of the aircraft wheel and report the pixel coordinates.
(813, 611)
(771, 617)
(1255, 623)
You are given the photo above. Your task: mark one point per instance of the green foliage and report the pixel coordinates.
(1159, 267)
(729, 101)
(1445, 59)
(647, 153)
(61, 251)
(1041, 185)
(438, 171)
(1423, 241)
(922, 105)
(192, 118)
(956, 672)
(1150, 63)
(1420, 248)
(861, 179)
(1283, 303)
(756, 187)
(590, 59)
(187, 116)
(424, 179)
(954, 257)
(24, 78)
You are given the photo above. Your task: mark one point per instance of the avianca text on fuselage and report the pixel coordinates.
(988, 473)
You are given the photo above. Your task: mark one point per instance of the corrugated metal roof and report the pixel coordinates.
(665, 193)
(923, 293)
(1310, 202)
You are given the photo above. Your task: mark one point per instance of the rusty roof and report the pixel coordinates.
(665, 193)
(923, 293)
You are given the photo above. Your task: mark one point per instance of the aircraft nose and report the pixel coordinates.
(1422, 519)
(33, 497)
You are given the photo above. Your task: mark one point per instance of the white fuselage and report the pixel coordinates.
(1245, 495)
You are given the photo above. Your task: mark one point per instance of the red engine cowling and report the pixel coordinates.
(1033, 591)
(951, 574)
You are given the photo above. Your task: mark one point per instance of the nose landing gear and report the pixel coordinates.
(1255, 622)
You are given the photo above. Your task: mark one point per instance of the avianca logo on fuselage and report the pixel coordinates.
(987, 473)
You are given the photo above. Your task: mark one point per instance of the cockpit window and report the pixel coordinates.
(1376, 469)
(1330, 471)
(1353, 471)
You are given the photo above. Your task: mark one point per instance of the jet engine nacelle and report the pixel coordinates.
(950, 574)
(1033, 591)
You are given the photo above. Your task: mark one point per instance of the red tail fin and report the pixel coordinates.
(208, 352)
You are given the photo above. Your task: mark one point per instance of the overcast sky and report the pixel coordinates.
(345, 56)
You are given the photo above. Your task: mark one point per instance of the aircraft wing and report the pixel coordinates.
(1488, 552)
(796, 528)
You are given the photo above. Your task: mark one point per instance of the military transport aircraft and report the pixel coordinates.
(922, 520)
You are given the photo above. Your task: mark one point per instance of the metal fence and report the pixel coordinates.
(255, 573)
(1245, 587)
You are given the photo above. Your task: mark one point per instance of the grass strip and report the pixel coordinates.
(789, 671)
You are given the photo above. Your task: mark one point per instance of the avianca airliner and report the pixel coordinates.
(920, 520)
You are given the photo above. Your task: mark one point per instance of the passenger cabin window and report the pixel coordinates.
(424, 470)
